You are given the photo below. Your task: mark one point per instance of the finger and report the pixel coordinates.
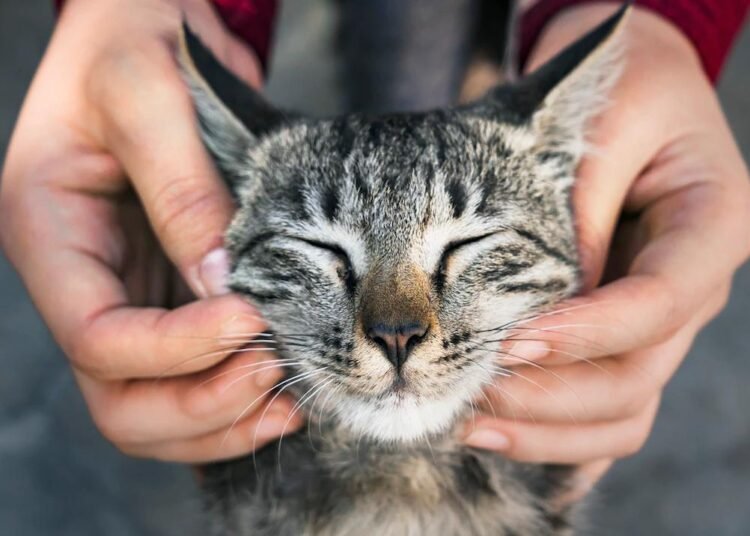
(88, 313)
(608, 389)
(572, 390)
(634, 312)
(569, 444)
(150, 127)
(238, 439)
(185, 406)
(133, 342)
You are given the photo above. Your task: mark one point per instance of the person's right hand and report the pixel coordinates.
(106, 150)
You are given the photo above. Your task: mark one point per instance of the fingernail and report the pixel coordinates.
(531, 350)
(242, 324)
(487, 439)
(213, 273)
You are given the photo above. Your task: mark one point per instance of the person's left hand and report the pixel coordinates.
(586, 380)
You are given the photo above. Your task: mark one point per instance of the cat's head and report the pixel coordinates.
(390, 254)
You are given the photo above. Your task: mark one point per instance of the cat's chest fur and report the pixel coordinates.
(330, 484)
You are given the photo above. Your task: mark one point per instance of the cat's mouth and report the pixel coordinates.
(400, 385)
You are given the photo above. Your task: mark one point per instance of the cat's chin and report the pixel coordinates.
(401, 418)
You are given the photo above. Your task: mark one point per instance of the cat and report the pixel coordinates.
(390, 254)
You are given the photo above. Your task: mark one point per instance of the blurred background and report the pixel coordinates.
(58, 477)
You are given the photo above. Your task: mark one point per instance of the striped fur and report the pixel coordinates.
(460, 217)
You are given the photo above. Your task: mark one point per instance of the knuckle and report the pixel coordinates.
(178, 202)
(632, 403)
(634, 389)
(106, 421)
(719, 302)
(672, 314)
(83, 355)
(661, 292)
(642, 437)
(232, 394)
(109, 413)
(201, 401)
(637, 436)
(80, 354)
(632, 445)
(724, 295)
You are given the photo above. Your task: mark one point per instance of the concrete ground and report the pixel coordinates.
(60, 478)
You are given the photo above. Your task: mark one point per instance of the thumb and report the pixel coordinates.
(599, 191)
(150, 128)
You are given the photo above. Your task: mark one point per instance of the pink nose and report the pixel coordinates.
(397, 341)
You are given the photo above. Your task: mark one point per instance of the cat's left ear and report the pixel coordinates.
(558, 99)
(233, 116)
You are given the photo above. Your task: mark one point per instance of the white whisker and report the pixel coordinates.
(312, 391)
(281, 386)
(284, 362)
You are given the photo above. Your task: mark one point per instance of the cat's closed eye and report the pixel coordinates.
(344, 269)
(450, 250)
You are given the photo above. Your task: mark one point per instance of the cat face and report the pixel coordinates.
(391, 255)
(393, 251)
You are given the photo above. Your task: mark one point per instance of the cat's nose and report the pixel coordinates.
(397, 341)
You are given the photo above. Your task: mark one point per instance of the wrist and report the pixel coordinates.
(251, 22)
(649, 38)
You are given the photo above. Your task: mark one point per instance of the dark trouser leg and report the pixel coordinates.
(405, 54)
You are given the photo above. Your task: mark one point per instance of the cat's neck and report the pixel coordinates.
(337, 436)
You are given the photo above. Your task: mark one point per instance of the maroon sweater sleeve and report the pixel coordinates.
(711, 25)
(251, 20)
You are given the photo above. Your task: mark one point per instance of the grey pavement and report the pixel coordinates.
(58, 477)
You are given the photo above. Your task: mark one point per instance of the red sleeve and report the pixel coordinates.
(251, 20)
(711, 25)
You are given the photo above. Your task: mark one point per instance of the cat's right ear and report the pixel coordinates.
(232, 115)
(557, 101)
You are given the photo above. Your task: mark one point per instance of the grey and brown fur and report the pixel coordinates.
(390, 255)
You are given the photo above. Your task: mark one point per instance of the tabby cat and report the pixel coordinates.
(390, 254)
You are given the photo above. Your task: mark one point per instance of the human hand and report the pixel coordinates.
(105, 150)
(665, 157)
